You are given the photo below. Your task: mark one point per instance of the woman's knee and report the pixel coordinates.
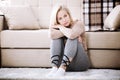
(56, 41)
(59, 39)
(71, 42)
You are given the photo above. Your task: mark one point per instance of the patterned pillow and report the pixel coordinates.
(112, 21)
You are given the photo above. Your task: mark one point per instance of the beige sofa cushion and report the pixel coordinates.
(25, 39)
(20, 17)
(103, 40)
(112, 22)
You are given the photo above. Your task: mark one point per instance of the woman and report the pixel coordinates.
(68, 48)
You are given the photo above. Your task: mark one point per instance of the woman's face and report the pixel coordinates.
(63, 18)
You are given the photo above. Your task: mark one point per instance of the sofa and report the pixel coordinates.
(25, 41)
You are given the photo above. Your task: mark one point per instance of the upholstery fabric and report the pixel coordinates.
(20, 17)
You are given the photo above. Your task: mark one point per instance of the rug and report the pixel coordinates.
(40, 74)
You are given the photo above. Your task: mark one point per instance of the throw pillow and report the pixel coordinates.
(112, 21)
(20, 17)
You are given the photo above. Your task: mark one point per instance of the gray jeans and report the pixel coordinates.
(62, 49)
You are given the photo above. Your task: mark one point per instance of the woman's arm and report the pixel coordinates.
(76, 30)
(55, 33)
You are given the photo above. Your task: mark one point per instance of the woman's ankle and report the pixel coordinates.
(63, 67)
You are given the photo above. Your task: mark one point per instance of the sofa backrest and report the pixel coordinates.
(42, 8)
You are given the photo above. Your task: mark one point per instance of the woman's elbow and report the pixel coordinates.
(52, 37)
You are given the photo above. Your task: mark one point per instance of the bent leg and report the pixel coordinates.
(69, 51)
(56, 49)
(80, 61)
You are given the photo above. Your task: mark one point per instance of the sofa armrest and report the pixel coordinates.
(1, 21)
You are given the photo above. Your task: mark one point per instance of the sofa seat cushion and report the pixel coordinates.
(103, 40)
(25, 39)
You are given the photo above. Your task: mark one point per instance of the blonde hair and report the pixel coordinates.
(56, 9)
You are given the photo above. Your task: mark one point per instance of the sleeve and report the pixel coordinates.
(54, 34)
(76, 30)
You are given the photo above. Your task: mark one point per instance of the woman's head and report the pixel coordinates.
(61, 15)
